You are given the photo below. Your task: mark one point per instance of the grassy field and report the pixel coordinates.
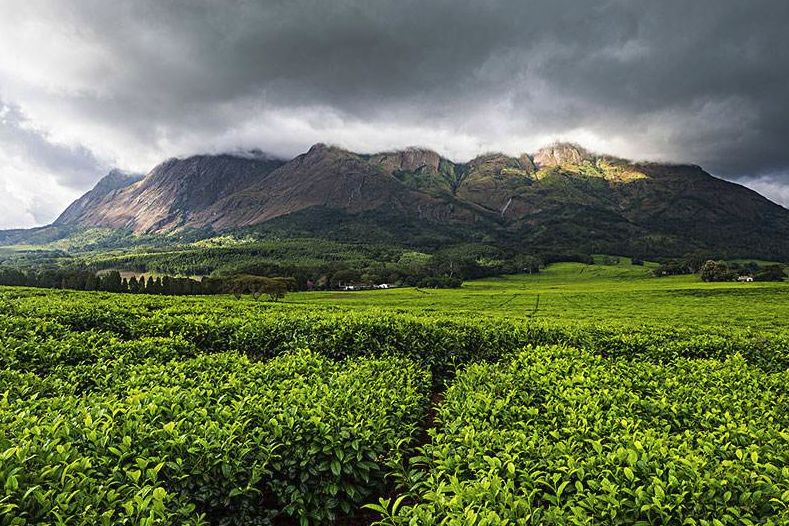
(574, 292)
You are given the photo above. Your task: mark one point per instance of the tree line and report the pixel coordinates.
(712, 269)
(322, 265)
(257, 286)
(724, 271)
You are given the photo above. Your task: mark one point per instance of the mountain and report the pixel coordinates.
(168, 197)
(562, 197)
(105, 189)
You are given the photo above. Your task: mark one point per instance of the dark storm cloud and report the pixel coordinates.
(702, 81)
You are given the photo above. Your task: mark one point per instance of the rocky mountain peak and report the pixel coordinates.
(410, 159)
(107, 186)
(561, 153)
(318, 147)
(324, 149)
(115, 180)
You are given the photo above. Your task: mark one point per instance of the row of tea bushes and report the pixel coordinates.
(561, 436)
(215, 439)
(441, 343)
(45, 356)
(149, 410)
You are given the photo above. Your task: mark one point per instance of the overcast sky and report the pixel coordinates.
(86, 85)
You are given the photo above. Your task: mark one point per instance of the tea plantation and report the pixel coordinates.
(611, 399)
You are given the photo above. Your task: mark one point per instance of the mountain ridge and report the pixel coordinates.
(561, 196)
(115, 180)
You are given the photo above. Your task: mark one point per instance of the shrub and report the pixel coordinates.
(560, 436)
(215, 438)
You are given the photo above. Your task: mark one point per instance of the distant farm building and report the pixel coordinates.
(366, 286)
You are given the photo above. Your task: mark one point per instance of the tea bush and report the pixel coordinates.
(562, 436)
(214, 439)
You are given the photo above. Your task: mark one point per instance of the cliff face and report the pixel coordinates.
(563, 194)
(168, 196)
(411, 159)
(104, 189)
(560, 154)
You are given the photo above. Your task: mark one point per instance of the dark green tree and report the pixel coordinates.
(716, 271)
